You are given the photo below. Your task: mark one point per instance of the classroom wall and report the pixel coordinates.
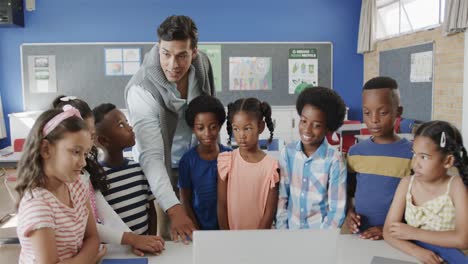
(448, 69)
(465, 93)
(242, 20)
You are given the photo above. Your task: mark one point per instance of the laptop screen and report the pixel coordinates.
(264, 246)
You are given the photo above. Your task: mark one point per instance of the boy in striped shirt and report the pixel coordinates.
(377, 164)
(129, 193)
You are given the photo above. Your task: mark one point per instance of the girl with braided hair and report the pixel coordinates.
(430, 208)
(248, 177)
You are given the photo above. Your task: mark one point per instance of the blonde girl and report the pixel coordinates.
(54, 219)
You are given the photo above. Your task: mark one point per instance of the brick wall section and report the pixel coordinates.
(448, 69)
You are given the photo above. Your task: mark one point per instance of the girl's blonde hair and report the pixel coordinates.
(30, 173)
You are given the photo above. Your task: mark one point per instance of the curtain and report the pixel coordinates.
(456, 16)
(366, 35)
(2, 121)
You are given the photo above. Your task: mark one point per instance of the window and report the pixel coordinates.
(396, 17)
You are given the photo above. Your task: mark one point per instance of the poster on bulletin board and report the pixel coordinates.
(303, 69)
(122, 61)
(99, 72)
(421, 67)
(412, 68)
(42, 73)
(213, 51)
(249, 73)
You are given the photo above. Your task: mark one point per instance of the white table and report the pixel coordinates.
(351, 250)
(354, 250)
(10, 160)
(174, 253)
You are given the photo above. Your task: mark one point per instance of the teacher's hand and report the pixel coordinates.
(181, 225)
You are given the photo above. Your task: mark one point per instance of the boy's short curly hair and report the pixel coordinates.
(205, 104)
(325, 99)
(384, 82)
(380, 82)
(101, 111)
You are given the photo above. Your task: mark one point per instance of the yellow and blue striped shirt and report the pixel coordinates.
(379, 168)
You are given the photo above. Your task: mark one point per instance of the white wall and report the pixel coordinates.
(465, 94)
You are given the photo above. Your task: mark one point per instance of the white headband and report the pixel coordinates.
(68, 98)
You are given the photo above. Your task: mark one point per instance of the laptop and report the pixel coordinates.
(382, 260)
(265, 246)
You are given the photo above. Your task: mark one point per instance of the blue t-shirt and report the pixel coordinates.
(201, 176)
(379, 168)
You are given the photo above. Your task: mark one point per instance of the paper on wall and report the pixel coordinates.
(421, 67)
(42, 74)
(303, 69)
(250, 73)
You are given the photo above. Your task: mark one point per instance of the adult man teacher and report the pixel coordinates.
(172, 74)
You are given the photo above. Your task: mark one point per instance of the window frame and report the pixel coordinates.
(400, 33)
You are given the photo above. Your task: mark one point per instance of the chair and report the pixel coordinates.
(348, 140)
(330, 140)
(365, 131)
(18, 144)
(8, 218)
(10, 178)
(396, 127)
(273, 146)
(407, 125)
(345, 140)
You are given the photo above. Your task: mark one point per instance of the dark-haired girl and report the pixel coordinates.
(198, 170)
(248, 177)
(430, 208)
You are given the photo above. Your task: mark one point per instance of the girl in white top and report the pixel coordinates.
(54, 220)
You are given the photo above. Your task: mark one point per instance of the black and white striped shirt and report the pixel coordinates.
(129, 195)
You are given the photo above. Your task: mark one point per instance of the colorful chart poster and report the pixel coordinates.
(250, 73)
(303, 69)
(214, 54)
